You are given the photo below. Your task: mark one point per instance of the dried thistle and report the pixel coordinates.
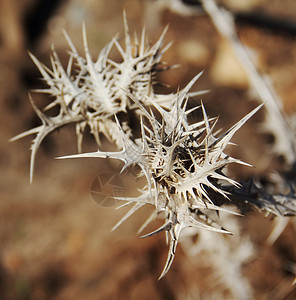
(90, 92)
(181, 162)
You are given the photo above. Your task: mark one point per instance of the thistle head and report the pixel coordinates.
(90, 92)
(183, 162)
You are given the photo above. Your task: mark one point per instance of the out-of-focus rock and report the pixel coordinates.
(194, 52)
(226, 70)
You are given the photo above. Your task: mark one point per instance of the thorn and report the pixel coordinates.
(167, 226)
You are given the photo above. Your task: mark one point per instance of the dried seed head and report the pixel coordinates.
(89, 92)
(182, 163)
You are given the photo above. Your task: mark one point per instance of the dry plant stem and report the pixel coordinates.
(248, 195)
(276, 122)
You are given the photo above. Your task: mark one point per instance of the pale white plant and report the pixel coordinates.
(90, 92)
(183, 162)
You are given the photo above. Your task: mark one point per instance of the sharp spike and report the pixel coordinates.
(174, 236)
(165, 227)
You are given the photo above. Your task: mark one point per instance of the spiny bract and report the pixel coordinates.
(181, 163)
(90, 92)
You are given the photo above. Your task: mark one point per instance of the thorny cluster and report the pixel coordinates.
(183, 162)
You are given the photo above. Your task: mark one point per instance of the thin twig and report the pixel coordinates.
(276, 122)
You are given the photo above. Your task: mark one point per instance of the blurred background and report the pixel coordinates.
(55, 241)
